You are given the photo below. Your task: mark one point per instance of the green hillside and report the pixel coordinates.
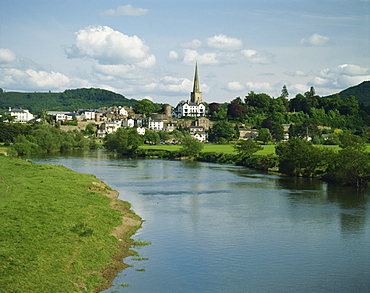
(361, 92)
(69, 100)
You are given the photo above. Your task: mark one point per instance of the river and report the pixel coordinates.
(222, 228)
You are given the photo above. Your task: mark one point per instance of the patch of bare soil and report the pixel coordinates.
(129, 225)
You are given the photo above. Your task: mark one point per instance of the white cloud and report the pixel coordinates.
(108, 46)
(33, 80)
(235, 86)
(264, 87)
(173, 55)
(7, 57)
(223, 42)
(194, 44)
(128, 10)
(296, 73)
(352, 70)
(208, 58)
(254, 56)
(315, 40)
(171, 84)
(340, 77)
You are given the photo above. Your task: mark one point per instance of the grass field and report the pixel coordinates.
(229, 149)
(216, 148)
(55, 229)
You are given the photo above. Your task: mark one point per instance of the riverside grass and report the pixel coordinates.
(56, 229)
(229, 148)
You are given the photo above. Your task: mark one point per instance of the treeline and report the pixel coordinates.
(69, 100)
(295, 157)
(40, 138)
(309, 110)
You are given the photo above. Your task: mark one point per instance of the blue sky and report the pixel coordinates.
(148, 49)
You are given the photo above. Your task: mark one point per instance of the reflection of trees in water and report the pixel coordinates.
(345, 203)
(353, 204)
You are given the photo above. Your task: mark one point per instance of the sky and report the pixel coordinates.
(148, 49)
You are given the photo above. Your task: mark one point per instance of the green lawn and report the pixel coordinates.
(229, 149)
(55, 228)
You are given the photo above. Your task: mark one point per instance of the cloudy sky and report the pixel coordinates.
(148, 49)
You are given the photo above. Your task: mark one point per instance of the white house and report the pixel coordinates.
(156, 124)
(88, 114)
(186, 108)
(198, 132)
(140, 130)
(21, 115)
(201, 136)
(108, 127)
(122, 111)
(128, 122)
(60, 116)
(194, 107)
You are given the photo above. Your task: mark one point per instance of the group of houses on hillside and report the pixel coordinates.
(108, 120)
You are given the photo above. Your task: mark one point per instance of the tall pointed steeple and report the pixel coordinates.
(196, 94)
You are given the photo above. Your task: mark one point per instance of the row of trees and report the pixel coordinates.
(255, 109)
(46, 138)
(299, 157)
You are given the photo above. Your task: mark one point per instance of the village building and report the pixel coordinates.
(194, 107)
(156, 124)
(21, 115)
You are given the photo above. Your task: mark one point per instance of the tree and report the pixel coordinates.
(350, 166)
(190, 146)
(221, 131)
(246, 148)
(90, 128)
(235, 109)
(124, 141)
(258, 103)
(298, 157)
(145, 106)
(348, 140)
(284, 92)
(151, 137)
(264, 135)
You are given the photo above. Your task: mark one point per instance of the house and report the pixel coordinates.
(198, 133)
(156, 124)
(140, 130)
(21, 115)
(108, 127)
(88, 114)
(194, 107)
(171, 126)
(203, 122)
(60, 116)
(128, 122)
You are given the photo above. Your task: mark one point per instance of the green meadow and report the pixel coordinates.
(55, 229)
(214, 148)
(228, 148)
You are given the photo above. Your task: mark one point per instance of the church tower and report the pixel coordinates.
(196, 94)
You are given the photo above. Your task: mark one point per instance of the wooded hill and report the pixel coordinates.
(360, 91)
(69, 100)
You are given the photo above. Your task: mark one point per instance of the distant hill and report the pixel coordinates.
(361, 92)
(69, 100)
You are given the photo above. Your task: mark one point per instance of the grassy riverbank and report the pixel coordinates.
(226, 148)
(61, 231)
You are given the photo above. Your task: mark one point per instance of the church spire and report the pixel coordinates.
(196, 80)
(196, 94)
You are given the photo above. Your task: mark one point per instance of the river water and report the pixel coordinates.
(222, 228)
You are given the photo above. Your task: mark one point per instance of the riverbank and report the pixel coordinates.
(62, 231)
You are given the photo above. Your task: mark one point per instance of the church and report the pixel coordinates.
(194, 107)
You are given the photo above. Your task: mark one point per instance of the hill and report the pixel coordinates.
(361, 92)
(69, 100)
